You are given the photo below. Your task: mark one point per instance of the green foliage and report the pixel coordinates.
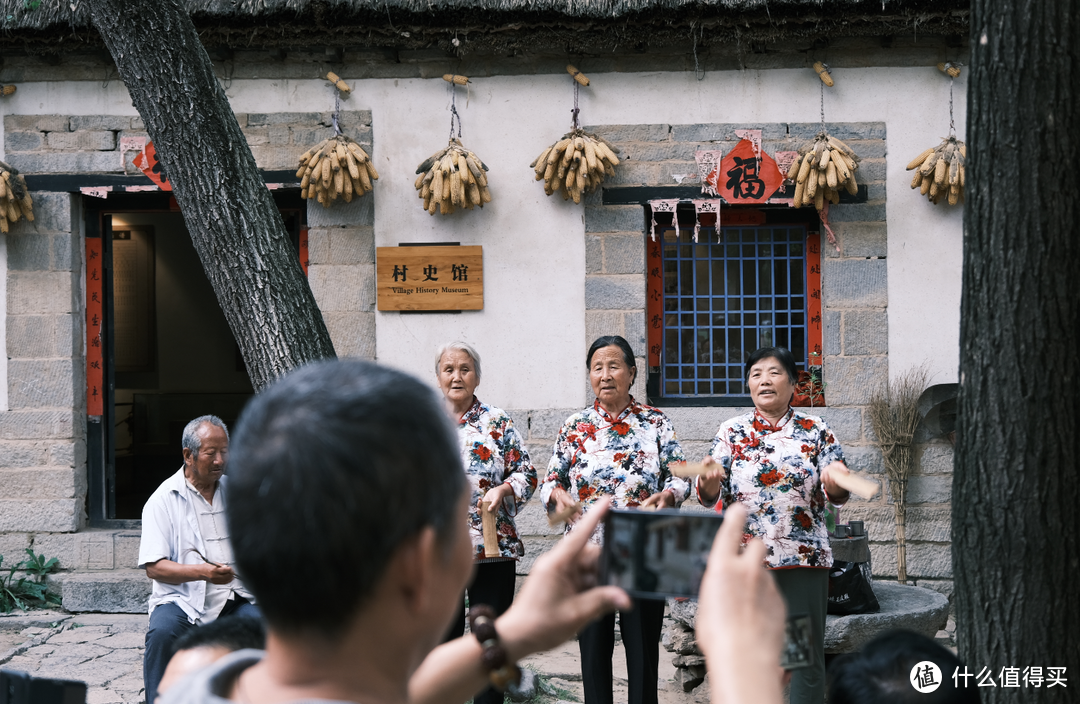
(23, 593)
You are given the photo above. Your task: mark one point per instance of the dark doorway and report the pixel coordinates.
(168, 354)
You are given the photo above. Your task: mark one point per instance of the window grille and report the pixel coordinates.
(722, 298)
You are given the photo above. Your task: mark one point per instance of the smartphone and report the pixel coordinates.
(21, 688)
(657, 554)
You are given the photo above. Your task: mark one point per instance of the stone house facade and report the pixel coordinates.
(558, 275)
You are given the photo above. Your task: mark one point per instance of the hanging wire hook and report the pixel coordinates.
(699, 73)
(576, 109)
(952, 123)
(822, 86)
(455, 116)
(336, 117)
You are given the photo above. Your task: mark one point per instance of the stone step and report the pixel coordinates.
(118, 591)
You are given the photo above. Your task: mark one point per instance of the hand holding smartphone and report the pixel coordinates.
(661, 554)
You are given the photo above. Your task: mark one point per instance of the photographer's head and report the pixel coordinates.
(208, 643)
(346, 491)
(882, 672)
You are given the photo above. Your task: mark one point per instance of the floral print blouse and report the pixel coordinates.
(493, 454)
(775, 471)
(627, 458)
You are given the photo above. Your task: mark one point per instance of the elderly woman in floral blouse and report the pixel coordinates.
(780, 464)
(499, 472)
(620, 448)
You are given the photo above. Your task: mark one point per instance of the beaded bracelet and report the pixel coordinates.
(501, 674)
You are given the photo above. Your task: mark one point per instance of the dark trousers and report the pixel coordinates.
(169, 622)
(806, 592)
(493, 584)
(640, 628)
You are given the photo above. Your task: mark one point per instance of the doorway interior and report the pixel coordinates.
(167, 352)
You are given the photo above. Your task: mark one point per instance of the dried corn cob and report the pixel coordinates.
(338, 83)
(950, 69)
(456, 79)
(823, 73)
(578, 75)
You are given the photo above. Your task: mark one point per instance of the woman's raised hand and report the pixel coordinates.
(837, 494)
(564, 505)
(709, 485)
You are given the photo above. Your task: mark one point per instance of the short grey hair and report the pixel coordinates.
(459, 347)
(190, 440)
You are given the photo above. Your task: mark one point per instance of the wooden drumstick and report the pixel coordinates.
(694, 469)
(491, 533)
(857, 485)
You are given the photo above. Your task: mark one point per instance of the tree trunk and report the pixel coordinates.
(232, 219)
(1016, 488)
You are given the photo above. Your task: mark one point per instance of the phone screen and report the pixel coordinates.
(657, 554)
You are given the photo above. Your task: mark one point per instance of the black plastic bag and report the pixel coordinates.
(850, 589)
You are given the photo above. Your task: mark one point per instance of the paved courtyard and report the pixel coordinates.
(105, 651)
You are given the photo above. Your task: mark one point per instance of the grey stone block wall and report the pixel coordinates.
(341, 255)
(42, 435)
(93, 143)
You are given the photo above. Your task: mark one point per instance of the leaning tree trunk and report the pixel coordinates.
(232, 219)
(1016, 487)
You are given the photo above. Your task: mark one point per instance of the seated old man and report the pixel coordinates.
(346, 511)
(185, 548)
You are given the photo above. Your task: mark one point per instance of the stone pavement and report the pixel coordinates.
(103, 650)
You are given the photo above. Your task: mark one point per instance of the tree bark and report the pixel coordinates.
(1016, 489)
(232, 219)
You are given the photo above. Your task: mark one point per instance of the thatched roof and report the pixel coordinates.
(574, 26)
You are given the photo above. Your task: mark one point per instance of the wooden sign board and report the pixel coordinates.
(429, 278)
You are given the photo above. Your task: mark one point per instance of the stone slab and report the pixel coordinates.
(116, 591)
(921, 610)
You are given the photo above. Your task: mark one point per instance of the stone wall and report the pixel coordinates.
(341, 256)
(86, 144)
(42, 435)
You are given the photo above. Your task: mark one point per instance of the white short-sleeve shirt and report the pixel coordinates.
(171, 530)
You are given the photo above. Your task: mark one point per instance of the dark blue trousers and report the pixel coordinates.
(169, 622)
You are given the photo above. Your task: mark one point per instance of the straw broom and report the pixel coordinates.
(894, 415)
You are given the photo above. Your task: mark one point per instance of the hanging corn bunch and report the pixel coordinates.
(824, 166)
(452, 178)
(335, 167)
(15, 200)
(576, 164)
(939, 171)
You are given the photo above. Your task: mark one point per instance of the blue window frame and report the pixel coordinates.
(725, 297)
